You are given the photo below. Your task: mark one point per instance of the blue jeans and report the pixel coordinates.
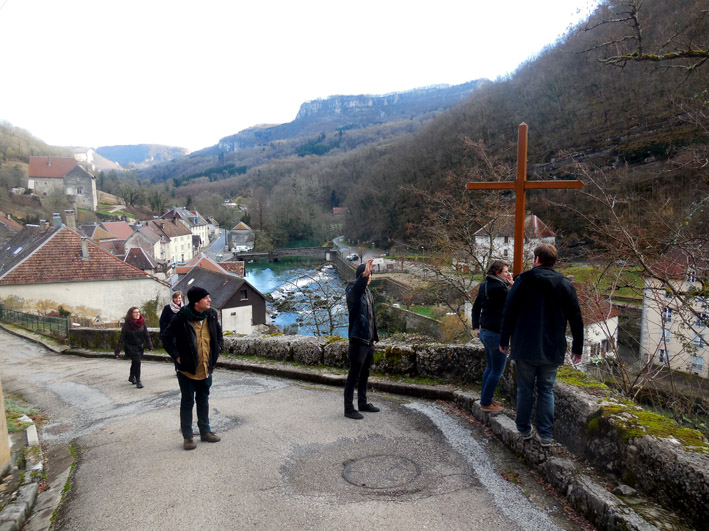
(540, 378)
(194, 390)
(496, 362)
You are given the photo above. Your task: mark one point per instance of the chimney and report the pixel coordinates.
(57, 220)
(84, 248)
(43, 224)
(70, 217)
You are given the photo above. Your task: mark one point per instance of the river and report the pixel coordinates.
(296, 286)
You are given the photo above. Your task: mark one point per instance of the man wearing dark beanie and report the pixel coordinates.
(194, 339)
(363, 336)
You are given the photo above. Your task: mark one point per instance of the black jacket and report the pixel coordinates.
(165, 317)
(538, 307)
(180, 341)
(358, 304)
(133, 341)
(488, 305)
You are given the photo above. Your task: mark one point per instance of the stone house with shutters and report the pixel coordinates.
(674, 330)
(42, 268)
(175, 240)
(47, 175)
(192, 219)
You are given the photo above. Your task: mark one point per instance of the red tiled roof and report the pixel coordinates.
(234, 267)
(505, 226)
(200, 260)
(58, 258)
(6, 220)
(120, 229)
(594, 307)
(56, 167)
(169, 227)
(137, 257)
(678, 262)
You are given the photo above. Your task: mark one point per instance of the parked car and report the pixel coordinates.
(352, 257)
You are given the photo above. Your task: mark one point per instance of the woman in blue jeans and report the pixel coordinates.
(487, 315)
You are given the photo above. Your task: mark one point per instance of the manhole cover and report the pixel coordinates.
(381, 471)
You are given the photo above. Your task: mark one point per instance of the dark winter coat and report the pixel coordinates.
(180, 341)
(488, 305)
(360, 304)
(538, 307)
(133, 341)
(166, 317)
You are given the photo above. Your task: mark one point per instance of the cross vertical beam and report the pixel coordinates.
(520, 186)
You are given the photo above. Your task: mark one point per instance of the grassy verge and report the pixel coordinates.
(15, 408)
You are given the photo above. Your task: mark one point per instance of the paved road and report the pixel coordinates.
(288, 458)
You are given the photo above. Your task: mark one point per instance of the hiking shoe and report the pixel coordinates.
(496, 403)
(354, 415)
(189, 444)
(526, 436)
(132, 379)
(139, 384)
(492, 408)
(369, 408)
(210, 437)
(543, 441)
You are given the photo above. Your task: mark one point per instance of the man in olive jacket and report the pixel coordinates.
(363, 336)
(538, 307)
(194, 339)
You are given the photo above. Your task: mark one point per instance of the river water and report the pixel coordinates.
(308, 296)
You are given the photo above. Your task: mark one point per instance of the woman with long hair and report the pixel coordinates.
(487, 317)
(134, 337)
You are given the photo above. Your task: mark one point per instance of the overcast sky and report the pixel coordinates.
(97, 72)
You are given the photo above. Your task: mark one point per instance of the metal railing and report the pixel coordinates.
(48, 326)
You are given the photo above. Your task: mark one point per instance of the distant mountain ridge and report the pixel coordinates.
(350, 112)
(141, 155)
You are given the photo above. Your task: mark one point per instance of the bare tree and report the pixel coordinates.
(683, 46)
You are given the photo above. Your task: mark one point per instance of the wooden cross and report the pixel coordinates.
(520, 186)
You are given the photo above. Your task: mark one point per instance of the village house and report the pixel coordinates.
(496, 240)
(175, 240)
(47, 175)
(673, 330)
(600, 326)
(197, 225)
(241, 237)
(45, 267)
(242, 307)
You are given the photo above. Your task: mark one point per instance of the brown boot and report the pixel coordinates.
(189, 444)
(210, 437)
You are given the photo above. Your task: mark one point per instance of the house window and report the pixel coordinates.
(696, 363)
(507, 239)
(699, 341)
(663, 355)
(691, 276)
(505, 253)
(667, 314)
(702, 319)
(79, 190)
(666, 337)
(244, 295)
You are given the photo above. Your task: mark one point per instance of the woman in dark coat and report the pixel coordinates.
(134, 336)
(170, 310)
(487, 316)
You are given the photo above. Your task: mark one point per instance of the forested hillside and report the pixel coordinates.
(641, 116)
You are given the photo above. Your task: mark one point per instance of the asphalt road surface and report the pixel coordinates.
(288, 458)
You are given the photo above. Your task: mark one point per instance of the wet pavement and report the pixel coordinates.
(288, 458)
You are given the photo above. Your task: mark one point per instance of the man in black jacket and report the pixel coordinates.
(538, 307)
(363, 336)
(194, 339)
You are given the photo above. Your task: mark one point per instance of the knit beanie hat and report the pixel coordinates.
(196, 294)
(360, 270)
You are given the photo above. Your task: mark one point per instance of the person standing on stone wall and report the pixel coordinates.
(194, 340)
(362, 335)
(487, 314)
(134, 337)
(538, 308)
